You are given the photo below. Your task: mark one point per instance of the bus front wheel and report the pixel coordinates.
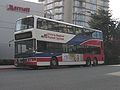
(54, 62)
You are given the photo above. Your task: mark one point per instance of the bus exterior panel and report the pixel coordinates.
(96, 53)
(50, 36)
(63, 59)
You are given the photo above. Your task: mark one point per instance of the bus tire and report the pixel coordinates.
(53, 62)
(88, 62)
(95, 62)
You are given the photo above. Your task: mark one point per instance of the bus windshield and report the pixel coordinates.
(25, 23)
(25, 46)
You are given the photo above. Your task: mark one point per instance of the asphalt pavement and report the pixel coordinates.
(105, 77)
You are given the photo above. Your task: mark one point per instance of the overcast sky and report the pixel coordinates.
(114, 6)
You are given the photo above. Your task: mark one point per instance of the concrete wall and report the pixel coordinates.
(68, 11)
(7, 23)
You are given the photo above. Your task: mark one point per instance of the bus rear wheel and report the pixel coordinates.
(54, 62)
(95, 62)
(88, 62)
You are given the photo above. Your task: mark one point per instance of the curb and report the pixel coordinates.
(7, 67)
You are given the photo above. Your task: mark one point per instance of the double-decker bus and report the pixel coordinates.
(41, 41)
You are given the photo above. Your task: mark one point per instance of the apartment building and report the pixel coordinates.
(74, 11)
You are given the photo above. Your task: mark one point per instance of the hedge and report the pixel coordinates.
(6, 62)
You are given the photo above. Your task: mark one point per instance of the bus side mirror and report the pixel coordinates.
(10, 42)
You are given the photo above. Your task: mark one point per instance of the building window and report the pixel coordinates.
(79, 3)
(93, 7)
(88, 5)
(93, 1)
(49, 1)
(60, 3)
(79, 17)
(50, 6)
(58, 17)
(76, 9)
(58, 10)
(76, 3)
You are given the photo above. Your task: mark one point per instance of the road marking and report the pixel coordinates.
(114, 74)
(114, 65)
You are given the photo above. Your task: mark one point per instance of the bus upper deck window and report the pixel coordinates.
(25, 23)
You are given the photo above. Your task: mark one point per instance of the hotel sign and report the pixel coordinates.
(18, 9)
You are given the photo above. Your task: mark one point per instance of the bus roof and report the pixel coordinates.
(61, 22)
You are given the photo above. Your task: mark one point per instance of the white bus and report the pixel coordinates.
(41, 41)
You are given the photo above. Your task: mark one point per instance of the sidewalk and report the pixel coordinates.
(2, 67)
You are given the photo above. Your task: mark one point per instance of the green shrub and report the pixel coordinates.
(6, 62)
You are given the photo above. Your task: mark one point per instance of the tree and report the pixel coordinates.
(117, 32)
(102, 21)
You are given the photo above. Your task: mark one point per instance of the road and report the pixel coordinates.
(76, 78)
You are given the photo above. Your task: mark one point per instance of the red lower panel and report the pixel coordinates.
(48, 59)
(99, 57)
(43, 59)
(59, 59)
(31, 63)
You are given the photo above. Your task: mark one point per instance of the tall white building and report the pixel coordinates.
(10, 11)
(74, 11)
